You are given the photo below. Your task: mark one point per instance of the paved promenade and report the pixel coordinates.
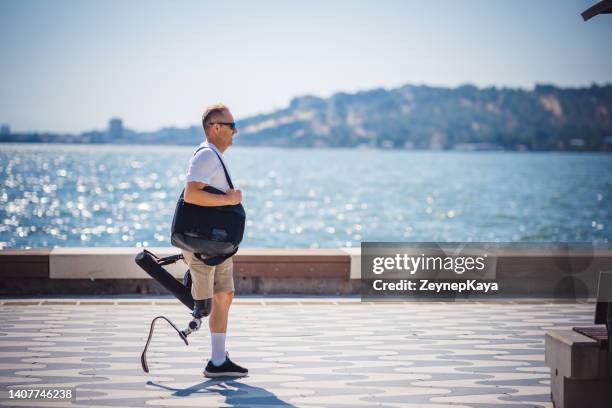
(300, 352)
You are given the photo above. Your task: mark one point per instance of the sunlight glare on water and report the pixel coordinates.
(104, 195)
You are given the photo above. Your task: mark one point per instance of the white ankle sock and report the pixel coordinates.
(218, 348)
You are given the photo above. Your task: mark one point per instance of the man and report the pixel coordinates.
(213, 282)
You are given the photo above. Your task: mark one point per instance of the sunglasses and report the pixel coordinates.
(232, 125)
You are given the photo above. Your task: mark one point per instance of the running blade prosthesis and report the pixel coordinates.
(154, 266)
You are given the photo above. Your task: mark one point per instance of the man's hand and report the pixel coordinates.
(195, 195)
(233, 196)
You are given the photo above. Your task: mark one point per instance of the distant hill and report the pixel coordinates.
(419, 117)
(546, 118)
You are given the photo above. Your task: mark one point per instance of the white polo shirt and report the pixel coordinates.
(206, 168)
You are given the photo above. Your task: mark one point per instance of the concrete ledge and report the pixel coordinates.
(104, 263)
(578, 370)
(24, 263)
(355, 254)
(107, 271)
(550, 273)
(118, 263)
(575, 355)
(292, 263)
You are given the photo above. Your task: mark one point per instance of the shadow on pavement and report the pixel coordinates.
(236, 394)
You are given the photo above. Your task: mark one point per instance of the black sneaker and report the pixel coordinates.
(227, 369)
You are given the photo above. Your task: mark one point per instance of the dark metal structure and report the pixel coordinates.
(603, 7)
(603, 310)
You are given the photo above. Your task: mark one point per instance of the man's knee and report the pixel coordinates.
(223, 298)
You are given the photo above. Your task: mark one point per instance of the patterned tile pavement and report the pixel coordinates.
(329, 353)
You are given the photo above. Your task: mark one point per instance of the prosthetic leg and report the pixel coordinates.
(153, 265)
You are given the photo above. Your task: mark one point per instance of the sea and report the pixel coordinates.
(58, 195)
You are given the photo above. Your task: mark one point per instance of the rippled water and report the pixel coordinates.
(86, 195)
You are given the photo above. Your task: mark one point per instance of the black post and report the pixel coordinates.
(609, 329)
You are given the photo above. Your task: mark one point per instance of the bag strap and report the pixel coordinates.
(227, 176)
(216, 260)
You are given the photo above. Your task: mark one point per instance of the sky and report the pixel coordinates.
(69, 66)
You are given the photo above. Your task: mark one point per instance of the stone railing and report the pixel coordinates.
(60, 271)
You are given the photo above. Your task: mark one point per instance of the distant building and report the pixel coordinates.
(5, 130)
(115, 129)
(577, 143)
(436, 142)
(477, 147)
(94, 136)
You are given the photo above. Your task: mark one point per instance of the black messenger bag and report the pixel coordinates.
(212, 233)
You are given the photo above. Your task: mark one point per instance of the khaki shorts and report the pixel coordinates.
(206, 279)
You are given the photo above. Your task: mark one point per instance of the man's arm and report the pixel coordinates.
(195, 195)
